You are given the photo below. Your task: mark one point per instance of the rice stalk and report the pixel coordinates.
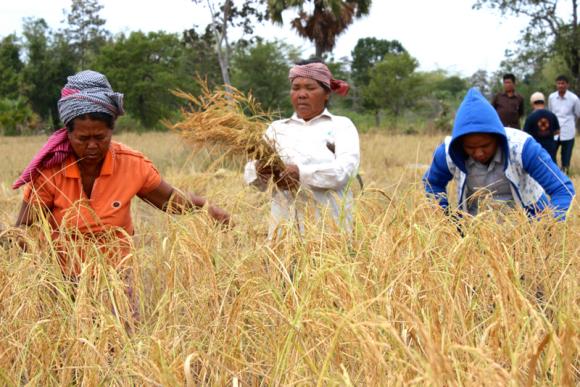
(228, 123)
(405, 300)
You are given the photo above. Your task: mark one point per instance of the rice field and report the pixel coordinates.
(405, 300)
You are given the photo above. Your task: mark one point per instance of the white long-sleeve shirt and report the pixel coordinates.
(324, 175)
(567, 109)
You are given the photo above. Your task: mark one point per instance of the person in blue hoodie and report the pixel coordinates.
(502, 164)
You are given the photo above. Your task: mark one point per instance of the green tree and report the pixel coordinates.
(453, 85)
(367, 53)
(85, 32)
(482, 80)
(199, 56)
(49, 60)
(263, 70)
(553, 30)
(326, 21)
(16, 117)
(37, 82)
(61, 61)
(145, 67)
(442, 86)
(393, 85)
(439, 94)
(10, 67)
(224, 15)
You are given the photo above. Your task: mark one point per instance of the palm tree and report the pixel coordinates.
(328, 19)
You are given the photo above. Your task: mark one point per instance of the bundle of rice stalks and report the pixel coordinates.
(227, 121)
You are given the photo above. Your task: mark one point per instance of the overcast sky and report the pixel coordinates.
(445, 34)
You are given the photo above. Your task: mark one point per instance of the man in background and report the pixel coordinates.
(509, 104)
(542, 124)
(566, 106)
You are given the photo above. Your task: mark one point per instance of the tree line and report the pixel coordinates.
(145, 66)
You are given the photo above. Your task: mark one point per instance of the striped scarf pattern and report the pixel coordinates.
(88, 92)
(85, 92)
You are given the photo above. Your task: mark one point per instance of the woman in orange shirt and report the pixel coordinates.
(84, 181)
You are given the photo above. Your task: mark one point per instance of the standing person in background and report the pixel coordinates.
(320, 151)
(566, 106)
(509, 104)
(542, 124)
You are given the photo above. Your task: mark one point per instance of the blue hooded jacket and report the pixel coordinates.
(528, 167)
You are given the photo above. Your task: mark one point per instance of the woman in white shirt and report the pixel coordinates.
(320, 151)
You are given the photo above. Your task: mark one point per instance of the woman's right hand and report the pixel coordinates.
(289, 178)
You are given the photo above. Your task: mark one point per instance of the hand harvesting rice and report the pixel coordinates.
(84, 182)
(502, 164)
(320, 152)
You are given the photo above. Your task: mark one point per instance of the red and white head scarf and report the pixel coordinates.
(319, 72)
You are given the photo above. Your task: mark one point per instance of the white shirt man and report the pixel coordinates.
(566, 106)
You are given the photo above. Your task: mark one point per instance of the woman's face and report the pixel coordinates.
(90, 140)
(308, 98)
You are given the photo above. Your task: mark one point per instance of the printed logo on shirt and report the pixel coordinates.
(544, 126)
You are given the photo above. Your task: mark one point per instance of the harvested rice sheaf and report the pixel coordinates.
(229, 122)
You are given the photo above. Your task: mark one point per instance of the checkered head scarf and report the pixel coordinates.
(88, 92)
(319, 72)
(85, 92)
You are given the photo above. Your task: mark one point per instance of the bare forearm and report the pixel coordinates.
(181, 203)
(173, 201)
(24, 217)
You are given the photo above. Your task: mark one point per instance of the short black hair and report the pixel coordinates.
(304, 62)
(562, 77)
(107, 119)
(509, 76)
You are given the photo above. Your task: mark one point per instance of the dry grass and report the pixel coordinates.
(406, 300)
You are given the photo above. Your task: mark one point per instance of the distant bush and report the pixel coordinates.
(128, 123)
(17, 117)
(444, 121)
(364, 121)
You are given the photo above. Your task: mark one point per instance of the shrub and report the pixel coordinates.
(17, 117)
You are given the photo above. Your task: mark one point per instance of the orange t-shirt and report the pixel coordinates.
(124, 174)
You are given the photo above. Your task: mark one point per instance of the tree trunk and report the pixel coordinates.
(222, 43)
(575, 49)
(316, 13)
(319, 51)
(224, 66)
